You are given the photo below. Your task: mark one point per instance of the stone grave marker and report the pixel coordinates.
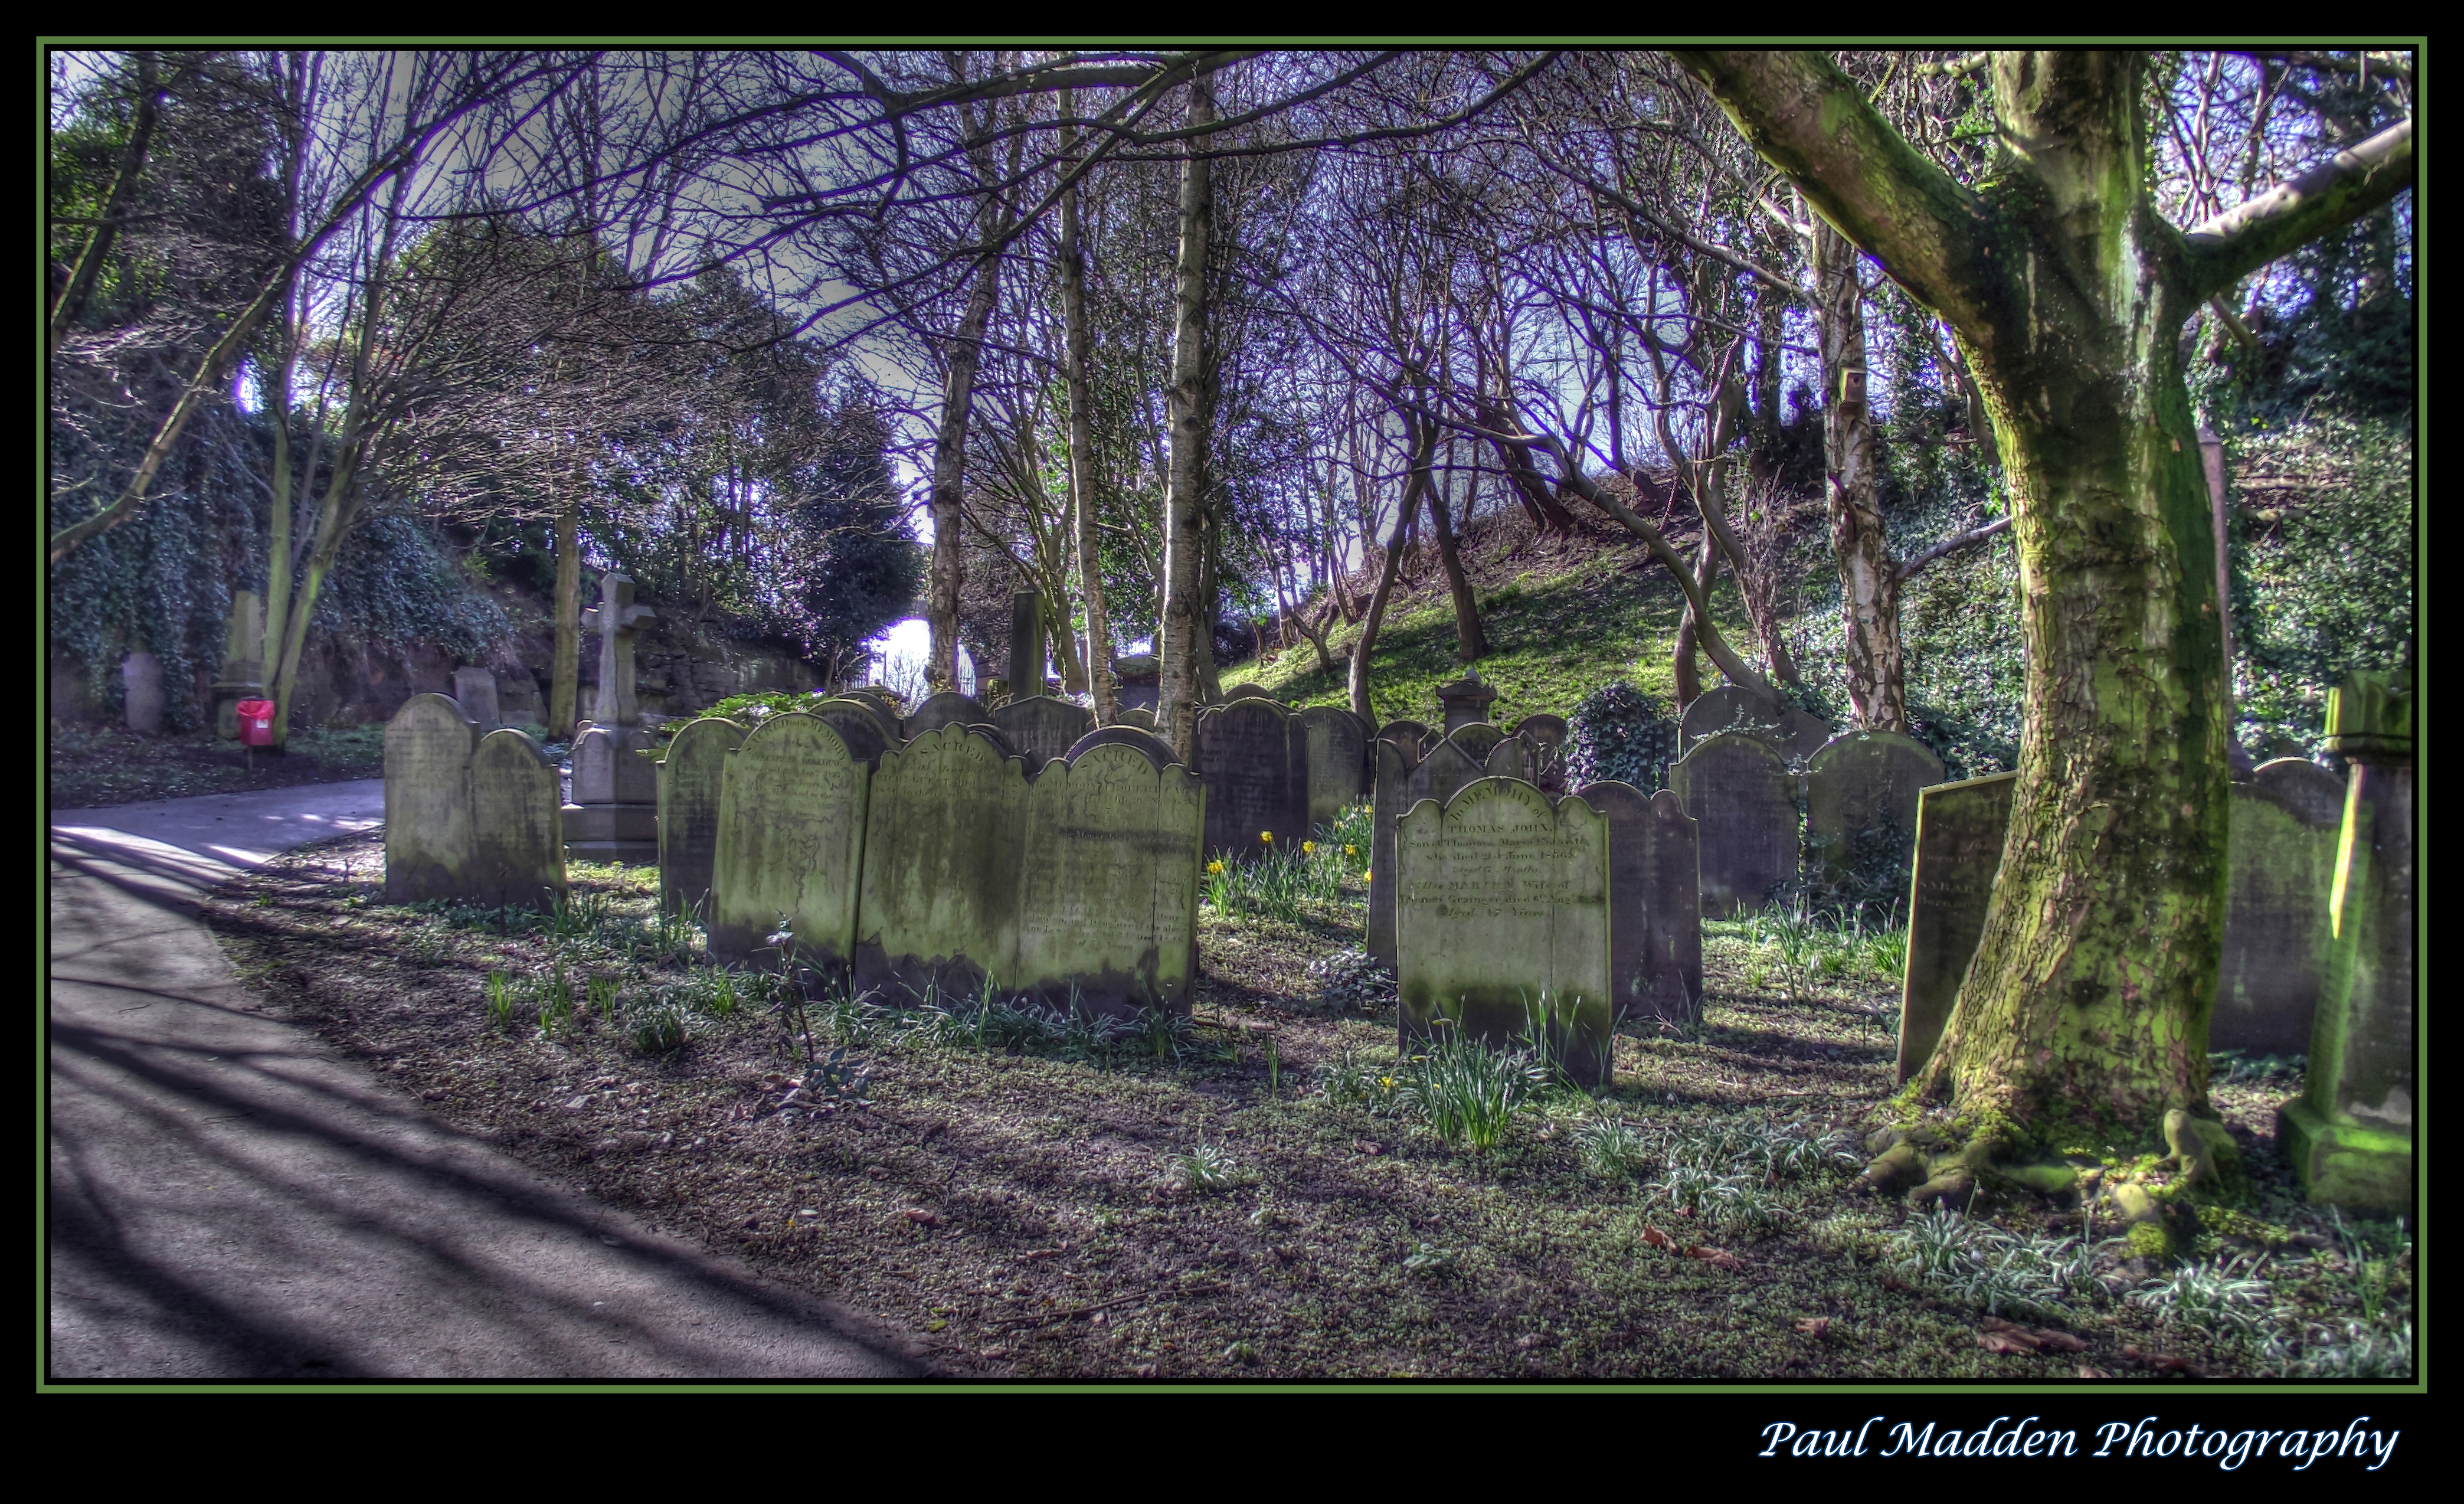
(945, 709)
(2277, 909)
(1025, 645)
(1244, 691)
(1148, 745)
(859, 725)
(1546, 735)
(1477, 739)
(1107, 885)
(941, 863)
(1253, 755)
(141, 683)
(429, 848)
(885, 726)
(1402, 785)
(516, 833)
(689, 782)
(1860, 814)
(614, 816)
(1410, 736)
(1743, 799)
(1141, 717)
(1465, 702)
(616, 619)
(1042, 728)
(791, 824)
(1501, 911)
(1960, 829)
(243, 668)
(1729, 707)
(1655, 903)
(476, 689)
(2304, 788)
(1338, 762)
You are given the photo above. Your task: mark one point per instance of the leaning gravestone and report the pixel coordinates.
(475, 687)
(1655, 903)
(1108, 882)
(791, 848)
(1253, 755)
(941, 860)
(1743, 799)
(429, 849)
(1402, 783)
(1502, 921)
(1042, 728)
(1546, 734)
(516, 833)
(140, 681)
(1960, 829)
(2277, 917)
(1338, 762)
(946, 709)
(689, 782)
(1860, 814)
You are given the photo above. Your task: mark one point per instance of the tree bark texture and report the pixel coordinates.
(564, 676)
(1869, 584)
(1082, 455)
(1375, 613)
(1471, 643)
(1185, 639)
(949, 471)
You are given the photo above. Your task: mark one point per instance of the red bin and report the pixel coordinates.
(255, 723)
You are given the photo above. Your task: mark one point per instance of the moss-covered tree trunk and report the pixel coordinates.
(2086, 1006)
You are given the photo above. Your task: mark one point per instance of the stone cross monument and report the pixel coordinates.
(614, 619)
(615, 809)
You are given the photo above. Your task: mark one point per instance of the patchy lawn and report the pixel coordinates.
(1251, 1195)
(90, 767)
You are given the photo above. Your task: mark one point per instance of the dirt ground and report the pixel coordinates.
(88, 768)
(1228, 1207)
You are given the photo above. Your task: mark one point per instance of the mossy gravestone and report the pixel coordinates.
(429, 850)
(939, 903)
(1042, 728)
(881, 731)
(1860, 814)
(2276, 929)
(1338, 762)
(1139, 717)
(1477, 739)
(1502, 921)
(1960, 829)
(1107, 879)
(690, 783)
(948, 708)
(1402, 783)
(516, 833)
(1743, 799)
(614, 816)
(1792, 733)
(1253, 755)
(1408, 735)
(1655, 903)
(791, 848)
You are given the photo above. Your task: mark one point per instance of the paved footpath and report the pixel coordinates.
(232, 1199)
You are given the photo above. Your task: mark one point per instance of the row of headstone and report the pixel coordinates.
(1860, 797)
(1523, 917)
(470, 816)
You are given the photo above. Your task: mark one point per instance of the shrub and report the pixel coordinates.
(1619, 732)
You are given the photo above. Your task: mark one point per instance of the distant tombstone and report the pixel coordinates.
(1477, 738)
(2304, 788)
(614, 816)
(1655, 903)
(1511, 756)
(1743, 799)
(942, 839)
(1407, 735)
(141, 681)
(1025, 645)
(2277, 911)
(1546, 735)
(516, 835)
(1244, 691)
(1960, 827)
(243, 668)
(1401, 785)
(476, 689)
(1338, 762)
(879, 698)
(1107, 880)
(945, 709)
(1142, 716)
(791, 848)
(1465, 702)
(1861, 813)
(615, 619)
(995, 735)
(690, 782)
(1042, 728)
(1156, 749)
(1547, 729)
(859, 725)
(1253, 755)
(429, 849)
(1502, 921)
(1729, 707)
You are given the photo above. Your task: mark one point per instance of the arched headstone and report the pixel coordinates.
(859, 725)
(1477, 739)
(1338, 762)
(1042, 728)
(1245, 691)
(1743, 799)
(429, 850)
(140, 681)
(2304, 788)
(689, 782)
(1729, 707)
(946, 709)
(1154, 748)
(476, 689)
(1253, 755)
(791, 824)
(1410, 736)
(1655, 903)
(1108, 885)
(943, 827)
(1402, 785)
(517, 833)
(1860, 814)
(1140, 717)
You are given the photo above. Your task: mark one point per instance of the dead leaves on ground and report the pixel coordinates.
(1998, 1336)
(1717, 1258)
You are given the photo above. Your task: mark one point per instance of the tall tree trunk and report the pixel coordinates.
(1869, 584)
(949, 472)
(1082, 452)
(1375, 614)
(564, 674)
(1185, 648)
(1688, 670)
(1471, 644)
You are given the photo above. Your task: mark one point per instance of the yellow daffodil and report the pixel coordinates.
(1214, 867)
(1352, 850)
(1308, 848)
(1365, 876)
(1268, 836)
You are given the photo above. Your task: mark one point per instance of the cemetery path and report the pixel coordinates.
(229, 1198)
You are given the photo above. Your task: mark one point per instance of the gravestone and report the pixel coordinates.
(689, 782)
(1465, 702)
(615, 619)
(1253, 755)
(1960, 829)
(1729, 707)
(1402, 785)
(1743, 799)
(1338, 762)
(243, 668)
(1510, 758)
(1655, 903)
(860, 726)
(790, 848)
(939, 904)
(948, 708)
(1148, 744)
(516, 835)
(1502, 912)
(476, 689)
(2277, 907)
(429, 849)
(879, 698)
(1042, 728)
(1244, 691)
(1860, 814)
(1546, 735)
(141, 682)
(1025, 645)
(1142, 716)
(1108, 884)
(1477, 738)
(2304, 788)
(614, 816)
(2349, 1138)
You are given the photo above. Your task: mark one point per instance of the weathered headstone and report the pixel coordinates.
(879, 698)
(941, 864)
(690, 782)
(1512, 757)
(859, 725)
(243, 668)
(1410, 736)
(1960, 829)
(516, 835)
(1727, 707)
(1502, 921)
(1338, 762)
(615, 619)
(1465, 702)
(1148, 744)
(1546, 734)
(1743, 799)
(1244, 691)
(1655, 903)
(429, 849)
(1860, 814)
(141, 682)
(948, 708)
(1142, 716)
(1107, 885)
(614, 816)
(1042, 728)
(1402, 783)
(476, 689)
(2349, 1138)
(1253, 755)
(790, 850)
(1477, 738)
(2276, 910)
(2304, 788)
(1025, 645)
